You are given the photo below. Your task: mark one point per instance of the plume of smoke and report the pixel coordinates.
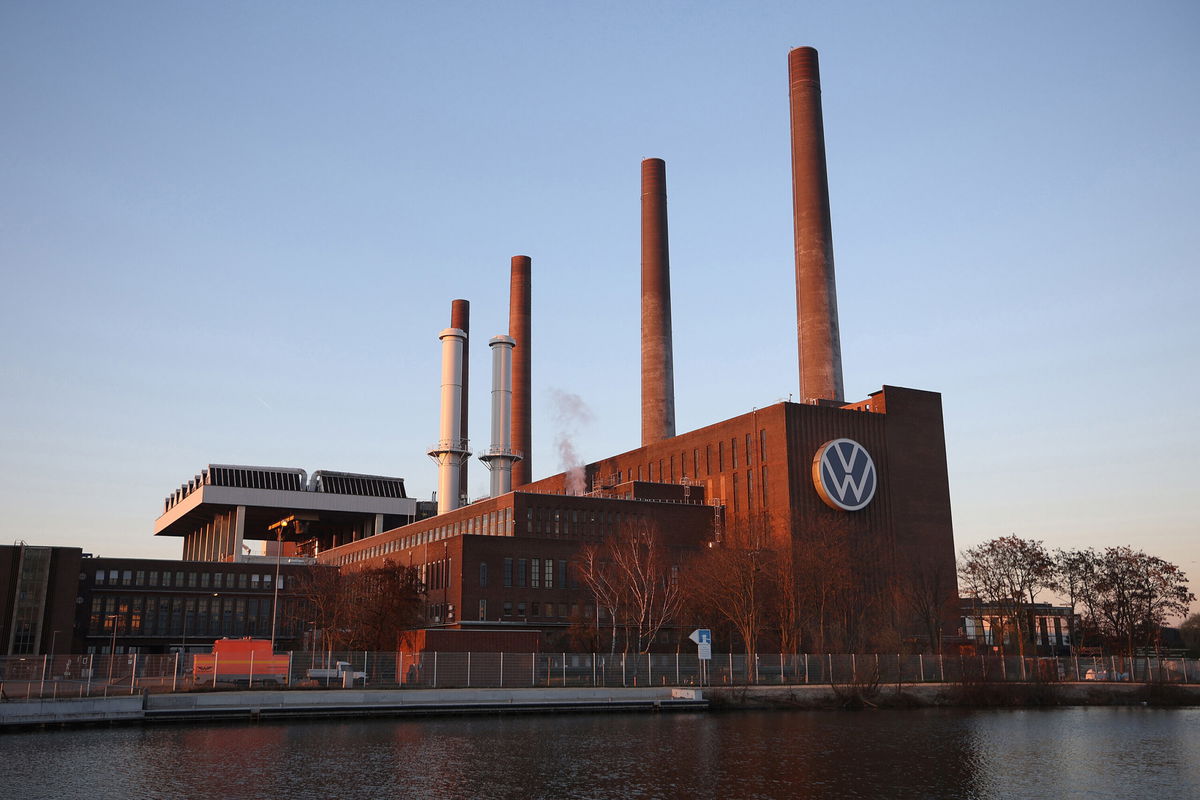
(570, 413)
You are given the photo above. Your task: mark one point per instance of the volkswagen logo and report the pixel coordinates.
(844, 474)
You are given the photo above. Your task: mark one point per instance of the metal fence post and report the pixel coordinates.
(921, 665)
(942, 666)
(216, 660)
(175, 673)
(533, 669)
(91, 669)
(250, 683)
(806, 667)
(829, 677)
(677, 668)
(435, 669)
(501, 669)
(594, 670)
(289, 672)
(564, 669)
(42, 685)
(468, 669)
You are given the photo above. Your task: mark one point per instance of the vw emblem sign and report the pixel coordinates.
(844, 474)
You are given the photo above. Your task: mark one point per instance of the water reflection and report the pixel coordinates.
(1092, 752)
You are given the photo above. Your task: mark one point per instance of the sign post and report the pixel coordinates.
(703, 639)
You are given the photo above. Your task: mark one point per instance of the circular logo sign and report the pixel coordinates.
(844, 474)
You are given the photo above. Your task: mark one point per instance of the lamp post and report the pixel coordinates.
(278, 528)
(112, 650)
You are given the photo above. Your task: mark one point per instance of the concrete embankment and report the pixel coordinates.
(262, 705)
(967, 695)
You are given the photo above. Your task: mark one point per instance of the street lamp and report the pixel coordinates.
(278, 527)
(112, 650)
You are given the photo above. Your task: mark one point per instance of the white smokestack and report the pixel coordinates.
(500, 456)
(451, 450)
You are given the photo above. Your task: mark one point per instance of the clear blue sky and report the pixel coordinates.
(231, 233)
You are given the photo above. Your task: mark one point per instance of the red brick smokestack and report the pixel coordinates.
(460, 317)
(658, 373)
(816, 292)
(519, 329)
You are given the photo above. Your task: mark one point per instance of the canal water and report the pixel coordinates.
(1123, 753)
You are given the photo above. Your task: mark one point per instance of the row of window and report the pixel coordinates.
(665, 472)
(534, 573)
(535, 608)
(201, 617)
(494, 523)
(181, 579)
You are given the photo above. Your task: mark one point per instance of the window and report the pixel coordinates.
(562, 574)
(535, 574)
(113, 577)
(735, 493)
(764, 487)
(508, 569)
(720, 456)
(535, 609)
(483, 609)
(99, 577)
(750, 491)
(166, 579)
(139, 578)
(267, 581)
(520, 609)
(242, 581)
(749, 449)
(483, 576)
(204, 579)
(549, 574)
(762, 445)
(520, 572)
(733, 453)
(154, 578)
(254, 581)
(508, 608)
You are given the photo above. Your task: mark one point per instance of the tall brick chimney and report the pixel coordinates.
(820, 345)
(460, 318)
(519, 329)
(658, 373)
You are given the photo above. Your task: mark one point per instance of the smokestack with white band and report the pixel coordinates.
(451, 449)
(500, 457)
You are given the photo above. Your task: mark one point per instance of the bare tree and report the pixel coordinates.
(1075, 575)
(364, 609)
(1007, 574)
(737, 585)
(598, 574)
(926, 588)
(1135, 595)
(649, 578)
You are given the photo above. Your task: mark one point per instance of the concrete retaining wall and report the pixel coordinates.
(70, 711)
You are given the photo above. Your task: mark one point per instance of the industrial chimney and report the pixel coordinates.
(820, 346)
(519, 330)
(460, 317)
(451, 449)
(500, 457)
(658, 378)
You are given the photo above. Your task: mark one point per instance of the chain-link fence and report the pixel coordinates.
(65, 676)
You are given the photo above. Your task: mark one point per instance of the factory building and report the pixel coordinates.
(778, 478)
